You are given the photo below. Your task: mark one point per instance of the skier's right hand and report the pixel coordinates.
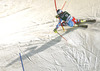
(57, 16)
(55, 30)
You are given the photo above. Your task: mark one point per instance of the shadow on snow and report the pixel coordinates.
(47, 45)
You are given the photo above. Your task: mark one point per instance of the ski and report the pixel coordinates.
(83, 26)
(93, 20)
(84, 21)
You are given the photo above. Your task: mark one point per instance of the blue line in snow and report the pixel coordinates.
(21, 61)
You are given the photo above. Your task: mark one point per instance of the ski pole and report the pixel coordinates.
(21, 61)
(62, 36)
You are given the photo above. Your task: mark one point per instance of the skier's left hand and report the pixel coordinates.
(55, 30)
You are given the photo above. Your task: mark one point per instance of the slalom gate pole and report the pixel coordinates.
(21, 61)
(61, 9)
(62, 37)
(63, 5)
(55, 5)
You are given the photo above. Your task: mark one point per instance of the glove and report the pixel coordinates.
(55, 30)
(57, 16)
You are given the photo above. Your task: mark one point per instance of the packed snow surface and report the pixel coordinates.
(26, 27)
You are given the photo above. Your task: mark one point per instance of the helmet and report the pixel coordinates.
(59, 11)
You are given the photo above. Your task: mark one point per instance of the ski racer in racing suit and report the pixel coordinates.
(65, 19)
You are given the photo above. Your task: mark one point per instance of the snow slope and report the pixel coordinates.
(26, 27)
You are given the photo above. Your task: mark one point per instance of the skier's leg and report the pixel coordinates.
(71, 22)
(77, 20)
(80, 21)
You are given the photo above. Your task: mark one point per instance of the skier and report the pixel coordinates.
(66, 19)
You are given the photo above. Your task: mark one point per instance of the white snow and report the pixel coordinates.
(26, 27)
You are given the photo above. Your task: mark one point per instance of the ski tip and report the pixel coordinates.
(93, 20)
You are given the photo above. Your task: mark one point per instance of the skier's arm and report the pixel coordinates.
(58, 25)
